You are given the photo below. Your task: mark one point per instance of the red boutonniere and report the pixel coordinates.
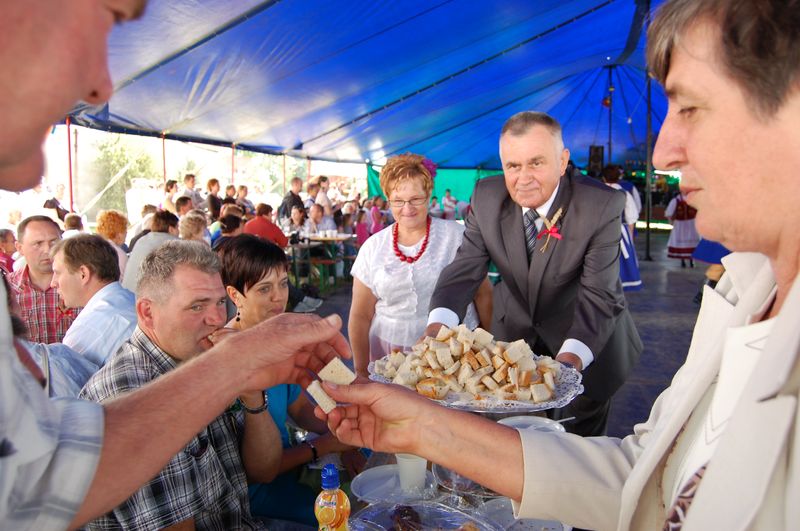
(550, 229)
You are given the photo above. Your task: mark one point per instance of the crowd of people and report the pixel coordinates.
(188, 366)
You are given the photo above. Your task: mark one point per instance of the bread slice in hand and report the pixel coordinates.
(337, 372)
(321, 397)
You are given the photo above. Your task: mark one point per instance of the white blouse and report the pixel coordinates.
(404, 290)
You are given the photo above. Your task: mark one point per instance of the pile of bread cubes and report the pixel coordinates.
(471, 361)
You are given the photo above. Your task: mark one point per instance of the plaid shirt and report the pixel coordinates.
(42, 311)
(205, 481)
(48, 448)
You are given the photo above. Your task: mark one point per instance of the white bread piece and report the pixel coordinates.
(380, 366)
(419, 348)
(466, 346)
(541, 393)
(526, 363)
(524, 394)
(474, 387)
(465, 334)
(489, 383)
(549, 381)
(432, 388)
(337, 372)
(419, 371)
(397, 358)
(513, 376)
(456, 348)
(497, 350)
(407, 378)
(431, 357)
(517, 350)
(536, 377)
(416, 361)
(497, 361)
(452, 383)
(453, 368)
(390, 371)
(524, 378)
(505, 395)
(464, 373)
(444, 357)
(483, 371)
(436, 345)
(472, 360)
(483, 338)
(325, 402)
(444, 333)
(500, 374)
(508, 388)
(502, 344)
(432, 373)
(549, 364)
(484, 357)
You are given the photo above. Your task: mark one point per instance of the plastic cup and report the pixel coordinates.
(412, 472)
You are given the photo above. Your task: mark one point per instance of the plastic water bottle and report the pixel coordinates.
(332, 508)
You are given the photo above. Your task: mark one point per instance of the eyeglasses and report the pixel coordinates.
(414, 201)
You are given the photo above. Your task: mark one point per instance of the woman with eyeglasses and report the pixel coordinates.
(396, 269)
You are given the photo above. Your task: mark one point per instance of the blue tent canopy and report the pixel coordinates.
(358, 80)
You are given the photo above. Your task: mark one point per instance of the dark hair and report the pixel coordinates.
(72, 221)
(524, 121)
(30, 219)
(611, 173)
(163, 220)
(229, 223)
(92, 251)
(758, 47)
(262, 209)
(228, 200)
(188, 176)
(182, 201)
(247, 258)
(169, 184)
(322, 179)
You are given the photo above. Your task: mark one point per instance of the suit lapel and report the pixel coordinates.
(513, 234)
(759, 429)
(694, 378)
(541, 259)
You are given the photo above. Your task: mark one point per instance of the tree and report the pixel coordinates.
(113, 155)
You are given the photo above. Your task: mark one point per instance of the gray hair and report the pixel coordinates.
(759, 44)
(524, 121)
(157, 269)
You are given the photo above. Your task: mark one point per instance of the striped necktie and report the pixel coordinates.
(530, 231)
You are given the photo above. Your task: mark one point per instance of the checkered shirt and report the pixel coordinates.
(42, 311)
(205, 481)
(49, 449)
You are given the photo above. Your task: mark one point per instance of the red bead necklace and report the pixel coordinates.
(399, 253)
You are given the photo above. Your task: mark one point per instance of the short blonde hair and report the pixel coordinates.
(111, 224)
(405, 167)
(191, 226)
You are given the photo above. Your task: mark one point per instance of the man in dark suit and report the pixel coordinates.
(555, 241)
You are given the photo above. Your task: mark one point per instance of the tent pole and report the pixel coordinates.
(284, 174)
(233, 160)
(164, 155)
(610, 109)
(69, 161)
(648, 179)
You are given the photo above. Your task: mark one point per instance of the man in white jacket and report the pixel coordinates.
(721, 449)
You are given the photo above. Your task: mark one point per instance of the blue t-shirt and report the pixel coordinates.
(280, 398)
